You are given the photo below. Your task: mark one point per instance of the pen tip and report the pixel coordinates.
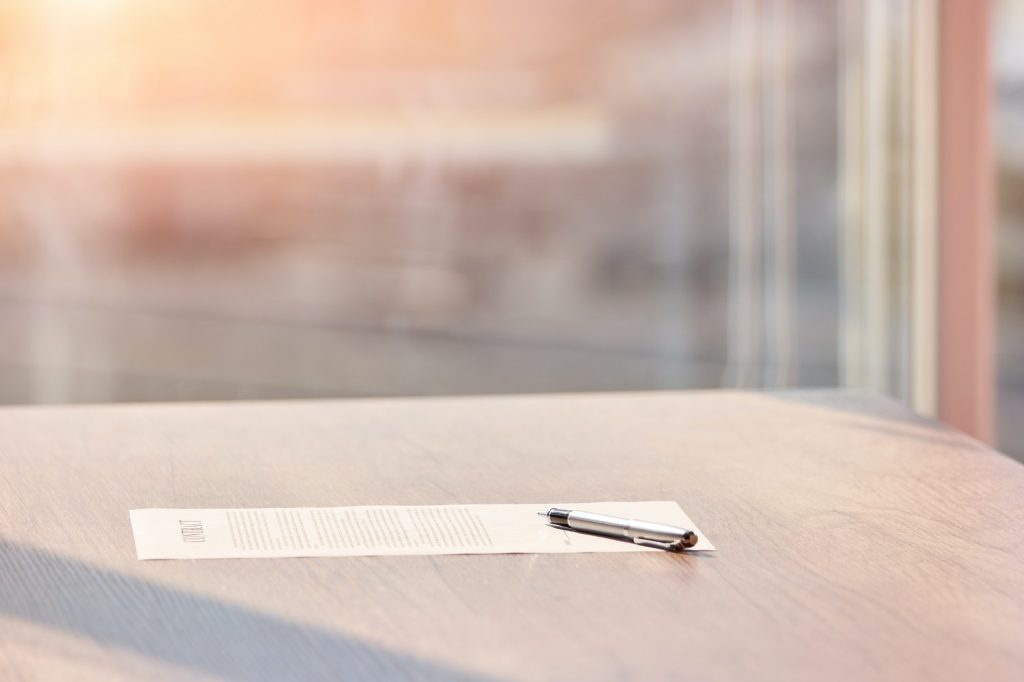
(543, 513)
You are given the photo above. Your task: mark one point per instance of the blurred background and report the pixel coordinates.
(346, 198)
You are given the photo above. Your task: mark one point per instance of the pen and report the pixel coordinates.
(657, 535)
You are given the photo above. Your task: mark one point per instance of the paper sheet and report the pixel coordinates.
(383, 530)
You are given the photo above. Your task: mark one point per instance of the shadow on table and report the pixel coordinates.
(189, 630)
(869, 410)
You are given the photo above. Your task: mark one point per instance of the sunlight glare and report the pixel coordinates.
(96, 5)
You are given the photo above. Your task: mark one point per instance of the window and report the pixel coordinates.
(274, 199)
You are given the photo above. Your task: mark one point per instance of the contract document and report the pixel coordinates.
(384, 530)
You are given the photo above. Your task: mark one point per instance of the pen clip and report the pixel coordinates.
(676, 546)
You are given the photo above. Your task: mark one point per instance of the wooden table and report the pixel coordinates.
(855, 541)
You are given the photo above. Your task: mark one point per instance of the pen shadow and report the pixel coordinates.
(189, 630)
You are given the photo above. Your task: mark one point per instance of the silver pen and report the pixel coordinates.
(660, 535)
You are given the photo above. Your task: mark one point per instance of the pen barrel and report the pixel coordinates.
(627, 528)
(599, 523)
(657, 531)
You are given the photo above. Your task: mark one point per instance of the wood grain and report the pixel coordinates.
(855, 541)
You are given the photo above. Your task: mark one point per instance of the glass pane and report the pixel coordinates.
(1008, 36)
(279, 199)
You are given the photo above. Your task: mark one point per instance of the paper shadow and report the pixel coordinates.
(188, 630)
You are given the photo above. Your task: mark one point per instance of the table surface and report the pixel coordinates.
(855, 541)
